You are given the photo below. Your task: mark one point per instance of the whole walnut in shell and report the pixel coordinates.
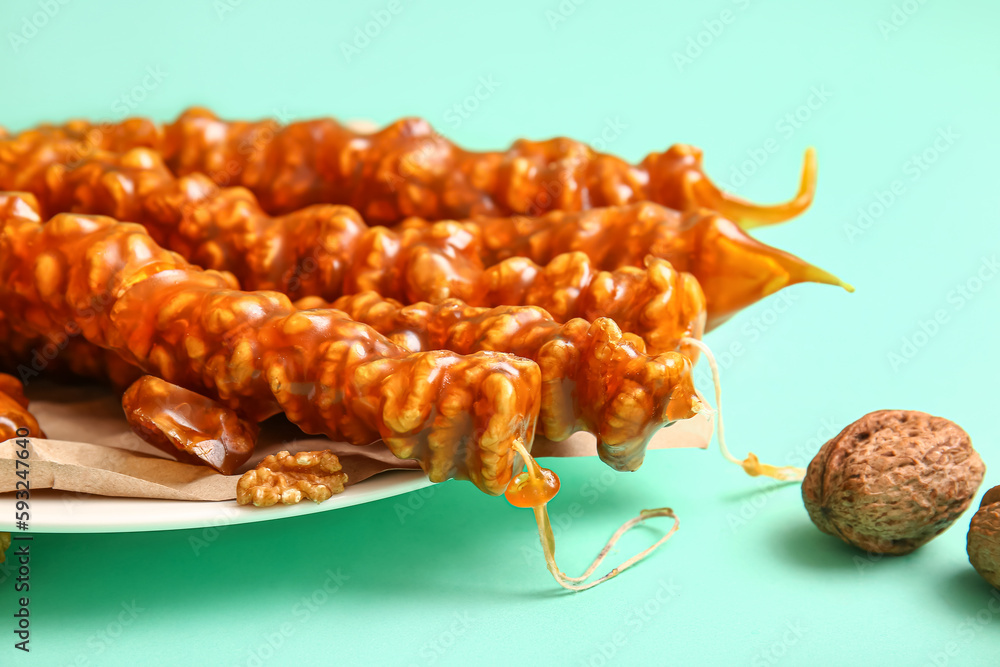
(892, 481)
(984, 538)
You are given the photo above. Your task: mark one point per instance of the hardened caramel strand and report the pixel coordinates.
(255, 353)
(408, 169)
(535, 487)
(189, 426)
(327, 251)
(734, 269)
(594, 378)
(14, 413)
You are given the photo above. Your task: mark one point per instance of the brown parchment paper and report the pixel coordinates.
(90, 449)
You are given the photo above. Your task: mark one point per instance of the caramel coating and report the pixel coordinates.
(25, 156)
(407, 168)
(256, 353)
(983, 540)
(594, 378)
(892, 481)
(328, 251)
(61, 353)
(291, 478)
(734, 269)
(14, 410)
(187, 425)
(310, 252)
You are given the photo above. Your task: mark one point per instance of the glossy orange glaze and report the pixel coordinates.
(406, 169)
(59, 353)
(734, 269)
(327, 250)
(256, 353)
(530, 491)
(594, 378)
(14, 413)
(187, 425)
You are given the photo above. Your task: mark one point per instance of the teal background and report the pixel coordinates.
(459, 579)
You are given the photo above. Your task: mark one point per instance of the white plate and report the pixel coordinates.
(68, 412)
(62, 512)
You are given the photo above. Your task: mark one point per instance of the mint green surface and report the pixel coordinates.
(459, 579)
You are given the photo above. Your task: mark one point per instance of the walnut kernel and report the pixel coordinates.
(289, 478)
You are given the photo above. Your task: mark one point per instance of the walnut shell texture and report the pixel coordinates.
(892, 481)
(984, 538)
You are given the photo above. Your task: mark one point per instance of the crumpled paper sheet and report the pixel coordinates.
(90, 449)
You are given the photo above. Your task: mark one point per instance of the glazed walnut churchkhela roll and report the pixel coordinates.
(328, 250)
(459, 416)
(256, 353)
(594, 378)
(407, 169)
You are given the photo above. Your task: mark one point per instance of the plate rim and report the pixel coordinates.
(209, 513)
